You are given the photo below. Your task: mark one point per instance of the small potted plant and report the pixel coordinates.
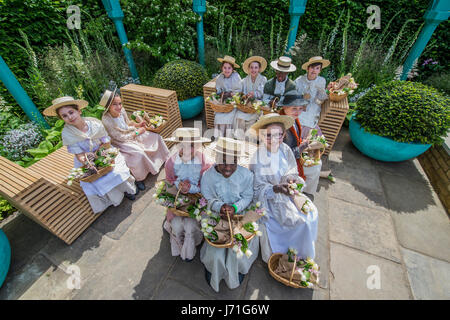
(187, 79)
(399, 120)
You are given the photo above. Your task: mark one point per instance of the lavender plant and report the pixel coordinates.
(15, 143)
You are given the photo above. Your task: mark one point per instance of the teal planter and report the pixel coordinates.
(191, 107)
(382, 148)
(5, 256)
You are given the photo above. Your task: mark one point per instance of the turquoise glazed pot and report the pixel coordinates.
(382, 148)
(5, 256)
(191, 107)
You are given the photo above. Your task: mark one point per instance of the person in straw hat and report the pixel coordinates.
(275, 171)
(184, 169)
(281, 84)
(312, 87)
(228, 188)
(144, 151)
(229, 83)
(83, 136)
(253, 88)
(297, 139)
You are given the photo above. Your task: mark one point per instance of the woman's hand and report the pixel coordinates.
(185, 186)
(281, 188)
(226, 210)
(250, 95)
(141, 130)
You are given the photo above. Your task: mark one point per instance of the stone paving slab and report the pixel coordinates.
(429, 277)
(420, 221)
(349, 276)
(364, 229)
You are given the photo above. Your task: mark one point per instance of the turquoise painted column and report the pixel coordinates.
(22, 98)
(296, 10)
(116, 14)
(438, 11)
(199, 7)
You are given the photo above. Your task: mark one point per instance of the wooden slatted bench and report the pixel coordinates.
(41, 193)
(331, 119)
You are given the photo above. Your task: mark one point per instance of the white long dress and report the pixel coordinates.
(232, 84)
(285, 226)
(218, 190)
(310, 118)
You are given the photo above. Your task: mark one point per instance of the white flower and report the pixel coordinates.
(315, 267)
(259, 233)
(69, 183)
(239, 254)
(248, 253)
(258, 204)
(291, 192)
(196, 212)
(303, 277)
(154, 195)
(198, 218)
(235, 248)
(310, 285)
(209, 229)
(255, 226)
(205, 234)
(208, 212)
(204, 224)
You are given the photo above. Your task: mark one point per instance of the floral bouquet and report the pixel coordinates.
(317, 144)
(152, 123)
(342, 87)
(260, 105)
(217, 98)
(301, 202)
(308, 160)
(305, 273)
(220, 103)
(97, 165)
(217, 230)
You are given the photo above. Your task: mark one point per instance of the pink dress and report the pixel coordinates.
(185, 232)
(144, 154)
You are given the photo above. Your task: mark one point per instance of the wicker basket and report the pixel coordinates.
(229, 244)
(221, 107)
(336, 98)
(302, 161)
(273, 264)
(247, 108)
(157, 130)
(99, 174)
(182, 213)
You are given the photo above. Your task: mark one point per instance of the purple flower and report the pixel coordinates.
(202, 202)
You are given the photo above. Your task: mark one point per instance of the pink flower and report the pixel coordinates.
(203, 202)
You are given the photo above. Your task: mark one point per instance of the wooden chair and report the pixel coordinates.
(41, 193)
(331, 119)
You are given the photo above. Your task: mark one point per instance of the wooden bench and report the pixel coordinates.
(41, 191)
(331, 119)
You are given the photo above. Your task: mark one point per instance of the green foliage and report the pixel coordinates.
(440, 81)
(5, 208)
(405, 111)
(163, 28)
(185, 77)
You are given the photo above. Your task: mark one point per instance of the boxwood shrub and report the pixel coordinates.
(185, 77)
(405, 112)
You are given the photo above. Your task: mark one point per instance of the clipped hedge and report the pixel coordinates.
(405, 112)
(185, 77)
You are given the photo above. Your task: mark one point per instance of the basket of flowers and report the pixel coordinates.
(191, 205)
(233, 232)
(98, 164)
(293, 271)
(221, 103)
(315, 150)
(338, 90)
(153, 123)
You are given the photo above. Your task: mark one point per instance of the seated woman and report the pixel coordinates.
(274, 167)
(144, 151)
(296, 138)
(228, 187)
(185, 169)
(229, 83)
(252, 87)
(83, 136)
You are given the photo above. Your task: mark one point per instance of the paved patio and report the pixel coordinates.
(378, 218)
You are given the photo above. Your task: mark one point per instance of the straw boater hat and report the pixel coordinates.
(230, 60)
(261, 60)
(325, 63)
(273, 118)
(107, 99)
(283, 64)
(189, 135)
(293, 100)
(61, 102)
(229, 147)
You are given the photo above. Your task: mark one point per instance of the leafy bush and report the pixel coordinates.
(15, 142)
(5, 208)
(405, 111)
(185, 77)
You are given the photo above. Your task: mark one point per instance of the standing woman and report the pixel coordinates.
(252, 87)
(144, 151)
(83, 136)
(229, 83)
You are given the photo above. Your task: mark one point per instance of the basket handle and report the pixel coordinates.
(231, 228)
(90, 163)
(176, 198)
(274, 101)
(221, 97)
(293, 268)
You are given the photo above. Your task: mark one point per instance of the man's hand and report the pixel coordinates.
(185, 186)
(226, 210)
(281, 188)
